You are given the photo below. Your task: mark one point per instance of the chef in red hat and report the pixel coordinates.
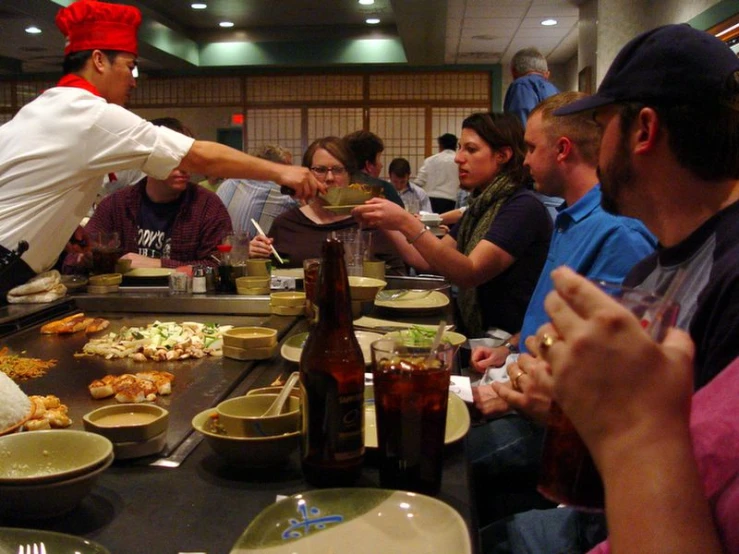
(58, 148)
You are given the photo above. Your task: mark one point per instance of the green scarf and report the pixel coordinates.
(473, 226)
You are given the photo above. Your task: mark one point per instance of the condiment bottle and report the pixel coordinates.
(198, 280)
(332, 381)
(226, 282)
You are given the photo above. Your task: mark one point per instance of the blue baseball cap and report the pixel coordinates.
(673, 63)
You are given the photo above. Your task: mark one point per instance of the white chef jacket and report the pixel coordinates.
(53, 156)
(439, 176)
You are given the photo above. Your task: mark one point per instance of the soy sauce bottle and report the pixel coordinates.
(332, 380)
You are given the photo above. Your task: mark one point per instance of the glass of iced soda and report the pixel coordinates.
(411, 387)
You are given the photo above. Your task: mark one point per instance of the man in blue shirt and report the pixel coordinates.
(530, 83)
(562, 157)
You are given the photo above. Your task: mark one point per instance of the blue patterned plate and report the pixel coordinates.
(360, 521)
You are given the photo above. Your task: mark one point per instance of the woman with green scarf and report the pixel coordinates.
(494, 254)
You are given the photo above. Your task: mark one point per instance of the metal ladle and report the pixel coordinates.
(279, 403)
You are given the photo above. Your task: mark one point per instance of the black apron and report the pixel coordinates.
(13, 270)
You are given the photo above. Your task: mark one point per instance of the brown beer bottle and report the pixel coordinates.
(332, 380)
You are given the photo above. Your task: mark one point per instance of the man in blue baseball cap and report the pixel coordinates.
(669, 111)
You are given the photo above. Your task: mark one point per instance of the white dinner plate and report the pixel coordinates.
(356, 520)
(292, 348)
(457, 419)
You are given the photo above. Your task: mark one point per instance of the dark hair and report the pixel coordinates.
(334, 146)
(365, 146)
(172, 123)
(447, 141)
(704, 138)
(399, 167)
(75, 61)
(500, 130)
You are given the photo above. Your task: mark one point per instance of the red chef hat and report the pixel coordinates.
(90, 25)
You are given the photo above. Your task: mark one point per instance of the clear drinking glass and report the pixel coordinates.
(568, 473)
(411, 386)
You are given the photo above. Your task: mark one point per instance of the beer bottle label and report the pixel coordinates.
(350, 443)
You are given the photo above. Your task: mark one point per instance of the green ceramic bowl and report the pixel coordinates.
(43, 500)
(127, 422)
(242, 416)
(51, 455)
(364, 289)
(245, 451)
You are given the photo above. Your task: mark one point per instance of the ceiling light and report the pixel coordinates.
(226, 24)
(198, 6)
(366, 2)
(549, 22)
(372, 21)
(33, 30)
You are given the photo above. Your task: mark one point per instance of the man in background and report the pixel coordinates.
(439, 175)
(530, 83)
(367, 148)
(262, 201)
(414, 197)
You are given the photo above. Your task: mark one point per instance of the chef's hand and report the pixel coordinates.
(259, 247)
(301, 180)
(137, 260)
(383, 214)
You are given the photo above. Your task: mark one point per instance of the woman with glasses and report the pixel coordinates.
(298, 234)
(494, 254)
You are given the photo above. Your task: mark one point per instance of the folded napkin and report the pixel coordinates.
(44, 287)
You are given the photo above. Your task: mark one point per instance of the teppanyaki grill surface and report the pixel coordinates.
(198, 384)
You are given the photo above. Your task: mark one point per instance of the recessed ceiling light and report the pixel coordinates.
(226, 24)
(372, 21)
(366, 2)
(198, 6)
(33, 30)
(549, 22)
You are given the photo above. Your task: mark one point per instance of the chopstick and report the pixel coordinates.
(259, 230)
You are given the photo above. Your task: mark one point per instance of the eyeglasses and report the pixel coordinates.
(322, 170)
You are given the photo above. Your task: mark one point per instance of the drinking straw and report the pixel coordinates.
(259, 230)
(437, 340)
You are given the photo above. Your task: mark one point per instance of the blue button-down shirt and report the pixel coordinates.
(592, 242)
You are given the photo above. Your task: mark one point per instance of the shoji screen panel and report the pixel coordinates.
(304, 88)
(449, 120)
(188, 91)
(458, 87)
(323, 122)
(274, 126)
(402, 131)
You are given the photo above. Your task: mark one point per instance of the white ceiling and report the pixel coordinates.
(431, 32)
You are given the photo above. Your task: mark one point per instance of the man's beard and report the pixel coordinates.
(616, 177)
